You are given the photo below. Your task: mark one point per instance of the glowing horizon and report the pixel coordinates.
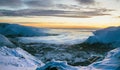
(61, 14)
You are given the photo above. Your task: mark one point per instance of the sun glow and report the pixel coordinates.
(62, 22)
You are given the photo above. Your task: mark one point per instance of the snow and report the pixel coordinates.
(5, 42)
(3, 67)
(110, 62)
(57, 47)
(56, 64)
(12, 58)
(16, 57)
(107, 35)
(19, 30)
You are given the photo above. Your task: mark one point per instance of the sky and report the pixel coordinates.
(61, 13)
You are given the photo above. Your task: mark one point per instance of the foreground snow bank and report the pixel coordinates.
(111, 62)
(107, 35)
(16, 57)
(13, 30)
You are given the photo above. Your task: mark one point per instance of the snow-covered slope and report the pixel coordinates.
(5, 42)
(111, 62)
(74, 55)
(16, 57)
(14, 30)
(107, 35)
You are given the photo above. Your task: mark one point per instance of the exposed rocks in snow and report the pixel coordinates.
(74, 55)
(111, 62)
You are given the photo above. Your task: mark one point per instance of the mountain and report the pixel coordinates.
(5, 42)
(16, 30)
(15, 58)
(109, 35)
(110, 62)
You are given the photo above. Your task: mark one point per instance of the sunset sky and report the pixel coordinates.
(61, 13)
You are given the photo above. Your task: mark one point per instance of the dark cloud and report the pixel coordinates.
(58, 13)
(118, 16)
(39, 3)
(87, 2)
(10, 3)
(28, 3)
(69, 7)
(34, 9)
(117, 0)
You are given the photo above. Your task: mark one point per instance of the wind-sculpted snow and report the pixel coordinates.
(17, 57)
(13, 30)
(111, 62)
(107, 35)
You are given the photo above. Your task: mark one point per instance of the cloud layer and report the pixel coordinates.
(50, 8)
(10, 3)
(58, 13)
(39, 3)
(86, 1)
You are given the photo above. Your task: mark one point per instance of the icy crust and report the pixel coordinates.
(13, 30)
(107, 35)
(17, 58)
(111, 62)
